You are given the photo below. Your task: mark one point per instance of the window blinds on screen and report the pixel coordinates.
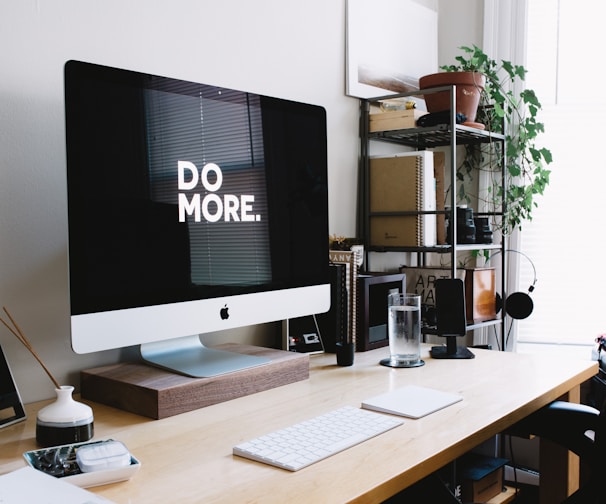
(223, 128)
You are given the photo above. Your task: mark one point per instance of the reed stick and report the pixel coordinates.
(23, 339)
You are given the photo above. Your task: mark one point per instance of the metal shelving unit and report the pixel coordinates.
(427, 138)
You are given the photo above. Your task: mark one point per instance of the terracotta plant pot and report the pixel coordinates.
(469, 88)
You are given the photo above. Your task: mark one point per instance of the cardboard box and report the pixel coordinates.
(481, 477)
(394, 120)
(480, 295)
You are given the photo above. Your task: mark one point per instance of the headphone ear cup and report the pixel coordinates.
(519, 305)
(498, 303)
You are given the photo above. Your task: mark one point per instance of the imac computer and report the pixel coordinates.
(191, 209)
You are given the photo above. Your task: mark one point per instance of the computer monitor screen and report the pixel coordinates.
(191, 209)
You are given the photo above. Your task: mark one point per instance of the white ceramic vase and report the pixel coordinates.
(64, 421)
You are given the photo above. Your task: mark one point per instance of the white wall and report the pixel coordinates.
(460, 24)
(283, 48)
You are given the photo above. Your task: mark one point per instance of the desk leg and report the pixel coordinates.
(559, 468)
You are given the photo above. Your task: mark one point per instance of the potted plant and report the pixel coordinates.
(506, 110)
(470, 85)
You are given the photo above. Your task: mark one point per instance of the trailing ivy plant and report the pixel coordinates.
(503, 111)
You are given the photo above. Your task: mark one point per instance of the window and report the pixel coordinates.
(565, 236)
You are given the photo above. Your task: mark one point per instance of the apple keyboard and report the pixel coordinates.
(312, 440)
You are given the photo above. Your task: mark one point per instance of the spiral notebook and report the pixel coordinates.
(411, 401)
(403, 182)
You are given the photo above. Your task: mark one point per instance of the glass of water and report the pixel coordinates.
(404, 330)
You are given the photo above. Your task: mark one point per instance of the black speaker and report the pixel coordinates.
(333, 323)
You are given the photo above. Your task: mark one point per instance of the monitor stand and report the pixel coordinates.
(151, 391)
(188, 356)
(451, 350)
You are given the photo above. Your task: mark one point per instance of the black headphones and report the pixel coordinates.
(518, 305)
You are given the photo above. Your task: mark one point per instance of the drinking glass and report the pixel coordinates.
(404, 330)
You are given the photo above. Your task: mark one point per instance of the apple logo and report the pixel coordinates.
(224, 313)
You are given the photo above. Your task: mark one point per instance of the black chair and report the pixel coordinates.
(582, 430)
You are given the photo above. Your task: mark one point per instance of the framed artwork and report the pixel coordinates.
(390, 44)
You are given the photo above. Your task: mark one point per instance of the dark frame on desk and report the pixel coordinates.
(372, 303)
(11, 406)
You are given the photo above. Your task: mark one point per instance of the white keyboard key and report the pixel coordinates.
(307, 442)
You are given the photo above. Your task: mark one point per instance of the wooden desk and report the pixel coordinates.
(188, 458)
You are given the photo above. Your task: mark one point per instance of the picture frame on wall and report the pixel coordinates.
(390, 44)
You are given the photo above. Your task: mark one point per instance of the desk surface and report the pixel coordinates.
(188, 457)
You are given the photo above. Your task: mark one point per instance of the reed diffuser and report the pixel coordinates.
(64, 421)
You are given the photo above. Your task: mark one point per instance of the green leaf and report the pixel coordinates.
(520, 71)
(508, 67)
(526, 177)
(499, 110)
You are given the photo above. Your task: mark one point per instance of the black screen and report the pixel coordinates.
(180, 191)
